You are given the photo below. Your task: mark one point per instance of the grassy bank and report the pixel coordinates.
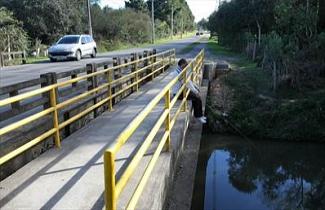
(257, 111)
(107, 47)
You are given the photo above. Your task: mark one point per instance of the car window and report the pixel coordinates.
(83, 40)
(69, 40)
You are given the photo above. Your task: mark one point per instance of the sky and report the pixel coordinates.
(200, 8)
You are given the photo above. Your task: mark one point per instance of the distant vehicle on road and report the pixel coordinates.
(73, 47)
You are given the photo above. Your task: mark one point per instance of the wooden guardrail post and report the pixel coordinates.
(52, 99)
(134, 68)
(126, 92)
(154, 59)
(93, 83)
(152, 68)
(146, 63)
(15, 105)
(48, 79)
(184, 90)
(73, 76)
(115, 76)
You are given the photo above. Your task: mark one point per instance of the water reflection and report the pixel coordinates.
(238, 174)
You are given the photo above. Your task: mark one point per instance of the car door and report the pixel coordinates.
(83, 46)
(89, 45)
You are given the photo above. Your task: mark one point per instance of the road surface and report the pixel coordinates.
(14, 74)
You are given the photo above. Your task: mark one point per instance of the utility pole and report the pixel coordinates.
(182, 23)
(89, 19)
(172, 22)
(153, 21)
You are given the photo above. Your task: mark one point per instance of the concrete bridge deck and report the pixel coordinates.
(73, 177)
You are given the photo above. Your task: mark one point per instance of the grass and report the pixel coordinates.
(121, 46)
(259, 112)
(31, 60)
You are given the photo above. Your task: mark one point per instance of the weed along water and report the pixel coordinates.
(236, 174)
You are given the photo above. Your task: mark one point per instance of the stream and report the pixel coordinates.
(234, 173)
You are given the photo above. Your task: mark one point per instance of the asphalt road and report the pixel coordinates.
(14, 74)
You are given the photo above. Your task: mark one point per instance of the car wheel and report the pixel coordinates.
(93, 54)
(78, 55)
(52, 59)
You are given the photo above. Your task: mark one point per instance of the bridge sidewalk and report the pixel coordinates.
(72, 177)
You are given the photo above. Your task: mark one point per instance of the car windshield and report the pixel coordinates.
(69, 40)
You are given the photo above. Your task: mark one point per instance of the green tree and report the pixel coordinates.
(12, 35)
(202, 24)
(47, 20)
(137, 5)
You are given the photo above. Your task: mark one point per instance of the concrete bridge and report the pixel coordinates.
(125, 158)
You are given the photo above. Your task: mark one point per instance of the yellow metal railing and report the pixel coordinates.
(114, 188)
(166, 58)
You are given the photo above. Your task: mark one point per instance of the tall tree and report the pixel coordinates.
(12, 35)
(137, 5)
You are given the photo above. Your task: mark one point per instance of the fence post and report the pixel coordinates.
(15, 105)
(109, 176)
(73, 76)
(146, 63)
(174, 53)
(152, 69)
(167, 121)
(52, 98)
(134, 58)
(154, 59)
(23, 56)
(163, 62)
(2, 62)
(115, 76)
(93, 83)
(109, 76)
(184, 90)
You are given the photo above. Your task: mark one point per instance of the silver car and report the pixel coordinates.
(73, 47)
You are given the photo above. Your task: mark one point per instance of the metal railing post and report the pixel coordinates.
(109, 175)
(53, 102)
(167, 121)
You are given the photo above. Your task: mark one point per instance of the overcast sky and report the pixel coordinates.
(200, 8)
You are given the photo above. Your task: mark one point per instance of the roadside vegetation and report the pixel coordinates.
(253, 109)
(277, 88)
(24, 29)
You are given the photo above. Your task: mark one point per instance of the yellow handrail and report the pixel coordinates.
(55, 106)
(113, 188)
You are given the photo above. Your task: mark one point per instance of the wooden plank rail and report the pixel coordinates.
(81, 95)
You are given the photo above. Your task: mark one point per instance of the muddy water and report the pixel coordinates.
(235, 174)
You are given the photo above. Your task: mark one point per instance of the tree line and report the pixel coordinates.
(29, 24)
(285, 37)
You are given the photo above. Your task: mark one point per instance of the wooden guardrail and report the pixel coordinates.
(64, 102)
(12, 55)
(165, 123)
